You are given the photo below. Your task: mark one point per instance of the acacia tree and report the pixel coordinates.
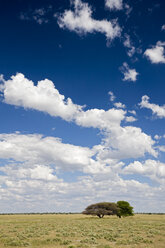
(102, 208)
(121, 208)
(125, 208)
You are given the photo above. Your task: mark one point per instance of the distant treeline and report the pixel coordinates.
(37, 213)
(66, 213)
(151, 213)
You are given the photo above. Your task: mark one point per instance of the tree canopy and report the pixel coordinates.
(125, 208)
(101, 209)
(121, 208)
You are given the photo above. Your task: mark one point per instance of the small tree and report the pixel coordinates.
(102, 208)
(125, 208)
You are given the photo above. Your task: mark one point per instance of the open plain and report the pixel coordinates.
(79, 231)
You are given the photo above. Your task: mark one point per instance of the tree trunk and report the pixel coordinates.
(100, 215)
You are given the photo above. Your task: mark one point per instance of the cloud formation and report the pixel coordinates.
(128, 44)
(99, 118)
(114, 4)
(157, 110)
(119, 105)
(34, 164)
(163, 27)
(38, 150)
(156, 53)
(20, 91)
(21, 190)
(126, 142)
(112, 96)
(129, 74)
(81, 21)
(153, 169)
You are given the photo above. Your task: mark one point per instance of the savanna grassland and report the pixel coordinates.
(79, 231)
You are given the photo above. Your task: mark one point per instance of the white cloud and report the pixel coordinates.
(28, 171)
(119, 105)
(159, 111)
(130, 119)
(125, 142)
(19, 194)
(25, 182)
(112, 96)
(47, 151)
(127, 43)
(132, 112)
(35, 164)
(161, 148)
(99, 118)
(40, 157)
(80, 21)
(114, 4)
(150, 168)
(163, 27)
(45, 97)
(20, 91)
(157, 137)
(156, 53)
(129, 74)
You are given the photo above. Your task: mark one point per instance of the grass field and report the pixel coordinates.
(76, 231)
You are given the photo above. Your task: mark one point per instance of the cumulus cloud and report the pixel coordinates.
(29, 171)
(114, 4)
(130, 119)
(19, 194)
(129, 74)
(34, 164)
(37, 152)
(119, 105)
(37, 149)
(99, 118)
(34, 171)
(81, 21)
(132, 112)
(150, 168)
(157, 110)
(126, 142)
(20, 91)
(45, 97)
(156, 53)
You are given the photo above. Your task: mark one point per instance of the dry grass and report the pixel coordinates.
(78, 231)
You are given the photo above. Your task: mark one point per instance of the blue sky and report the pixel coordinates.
(82, 104)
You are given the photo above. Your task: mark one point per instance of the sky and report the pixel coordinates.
(82, 104)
